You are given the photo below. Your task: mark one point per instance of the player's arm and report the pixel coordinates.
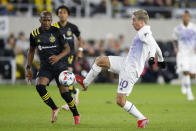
(154, 50)
(146, 37)
(80, 48)
(65, 51)
(175, 42)
(30, 56)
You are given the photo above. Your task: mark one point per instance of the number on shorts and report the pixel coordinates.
(123, 84)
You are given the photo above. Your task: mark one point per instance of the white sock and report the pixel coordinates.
(186, 81)
(95, 70)
(129, 107)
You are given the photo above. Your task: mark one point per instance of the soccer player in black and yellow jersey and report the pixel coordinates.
(68, 30)
(52, 50)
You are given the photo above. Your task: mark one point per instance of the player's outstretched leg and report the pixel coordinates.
(41, 89)
(80, 80)
(131, 109)
(101, 61)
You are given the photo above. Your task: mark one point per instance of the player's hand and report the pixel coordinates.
(151, 61)
(80, 55)
(29, 75)
(162, 65)
(53, 59)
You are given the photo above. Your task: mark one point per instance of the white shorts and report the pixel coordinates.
(186, 63)
(127, 77)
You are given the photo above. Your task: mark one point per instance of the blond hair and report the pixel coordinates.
(141, 15)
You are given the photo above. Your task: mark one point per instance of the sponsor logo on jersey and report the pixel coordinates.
(46, 47)
(146, 34)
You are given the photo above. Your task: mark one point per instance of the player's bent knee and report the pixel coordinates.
(66, 96)
(102, 61)
(63, 89)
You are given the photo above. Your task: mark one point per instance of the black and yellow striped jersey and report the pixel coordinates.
(68, 32)
(48, 43)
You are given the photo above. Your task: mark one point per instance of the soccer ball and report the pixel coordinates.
(66, 78)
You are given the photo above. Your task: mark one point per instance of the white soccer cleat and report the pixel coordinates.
(66, 107)
(183, 90)
(54, 115)
(190, 97)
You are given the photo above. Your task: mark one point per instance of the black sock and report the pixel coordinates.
(41, 89)
(71, 103)
(74, 90)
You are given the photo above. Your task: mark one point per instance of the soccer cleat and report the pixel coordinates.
(54, 115)
(142, 123)
(77, 120)
(80, 80)
(183, 90)
(190, 97)
(66, 107)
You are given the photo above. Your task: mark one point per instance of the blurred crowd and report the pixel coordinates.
(17, 46)
(118, 8)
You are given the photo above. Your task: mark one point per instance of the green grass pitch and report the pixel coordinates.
(21, 109)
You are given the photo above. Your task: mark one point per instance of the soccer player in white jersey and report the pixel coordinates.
(130, 67)
(185, 48)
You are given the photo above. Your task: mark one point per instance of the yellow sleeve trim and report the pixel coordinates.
(35, 32)
(56, 25)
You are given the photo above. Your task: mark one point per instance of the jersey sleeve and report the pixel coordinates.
(32, 40)
(148, 39)
(75, 30)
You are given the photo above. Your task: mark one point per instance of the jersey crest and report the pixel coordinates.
(38, 40)
(69, 32)
(52, 38)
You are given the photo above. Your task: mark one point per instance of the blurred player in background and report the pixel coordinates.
(52, 50)
(185, 48)
(130, 67)
(68, 30)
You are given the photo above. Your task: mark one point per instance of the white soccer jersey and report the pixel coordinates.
(143, 46)
(186, 37)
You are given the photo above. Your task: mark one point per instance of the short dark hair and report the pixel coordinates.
(43, 13)
(186, 11)
(62, 7)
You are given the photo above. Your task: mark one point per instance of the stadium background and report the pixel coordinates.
(106, 29)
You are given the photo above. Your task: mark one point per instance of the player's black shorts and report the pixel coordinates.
(51, 73)
(70, 60)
